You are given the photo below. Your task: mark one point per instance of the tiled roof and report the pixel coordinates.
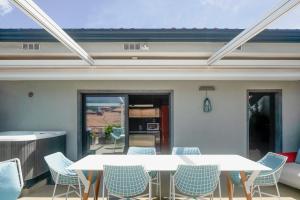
(148, 35)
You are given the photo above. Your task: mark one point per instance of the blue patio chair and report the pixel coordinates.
(155, 176)
(186, 151)
(265, 178)
(11, 179)
(195, 181)
(270, 178)
(125, 181)
(117, 134)
(58, 164)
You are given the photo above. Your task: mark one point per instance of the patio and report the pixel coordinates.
(233, 93)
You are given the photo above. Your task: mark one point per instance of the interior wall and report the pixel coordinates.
(224, 130)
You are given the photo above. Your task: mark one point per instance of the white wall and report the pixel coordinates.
(224, 130)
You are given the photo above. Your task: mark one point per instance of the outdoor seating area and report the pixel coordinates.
(150, 99)
(136, 174)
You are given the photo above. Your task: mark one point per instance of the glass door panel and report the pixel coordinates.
(104, 124)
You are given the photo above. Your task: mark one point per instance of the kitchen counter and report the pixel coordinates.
(155, 134)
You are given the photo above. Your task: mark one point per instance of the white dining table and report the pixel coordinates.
(227, 163)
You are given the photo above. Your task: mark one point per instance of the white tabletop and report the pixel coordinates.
(168, 162)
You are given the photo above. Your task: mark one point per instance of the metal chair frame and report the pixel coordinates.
(121, 197)
(257, 188)
(154, 180)
(173, 193)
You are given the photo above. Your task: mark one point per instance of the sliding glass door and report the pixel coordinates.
(104, 124)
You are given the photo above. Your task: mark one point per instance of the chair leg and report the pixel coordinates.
(94, 191)
(150, 191)
(220, 192)
(115, 145)
(79, 188)
(173, 188)
(159, 182)
(103, 191)
(67, 194)
(259, 192)
(278, 194)
(54, 191)
(170, 189)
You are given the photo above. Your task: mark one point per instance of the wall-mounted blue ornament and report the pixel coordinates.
(207, 105)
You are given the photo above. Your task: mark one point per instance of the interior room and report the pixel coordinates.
(149, 121)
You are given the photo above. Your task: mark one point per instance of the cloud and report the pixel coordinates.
(5, 7)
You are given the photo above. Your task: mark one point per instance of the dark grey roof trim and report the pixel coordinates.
(148, 35)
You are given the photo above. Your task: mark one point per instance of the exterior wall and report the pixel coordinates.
(224, 130)
(196, 49)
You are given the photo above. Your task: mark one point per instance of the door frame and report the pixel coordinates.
(81, 93)
(278, 121)
(83, 119)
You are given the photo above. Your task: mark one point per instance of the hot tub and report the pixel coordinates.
(31, 147)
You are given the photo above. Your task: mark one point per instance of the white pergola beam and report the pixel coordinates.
(149, 64)
(38, 15)
(252, 31)
(150, 74)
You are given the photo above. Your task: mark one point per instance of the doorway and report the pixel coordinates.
(142, 119)
(264, 122)
(149, 121)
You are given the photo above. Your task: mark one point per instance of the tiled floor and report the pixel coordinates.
(45, 192)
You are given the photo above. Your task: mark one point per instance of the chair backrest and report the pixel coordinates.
(125, 181)
(141, 151)
(195, 181)
(58, 164)
(11, 179)
(117, 131)
(275, 162)
(186, 151)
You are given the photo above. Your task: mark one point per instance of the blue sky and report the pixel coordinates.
(150, 14)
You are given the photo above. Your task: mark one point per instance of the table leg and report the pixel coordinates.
(97, 186)
(246, 190)
(229, 186)
(248, 183)
(86, 182)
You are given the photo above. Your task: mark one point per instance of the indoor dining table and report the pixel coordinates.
(227, 163)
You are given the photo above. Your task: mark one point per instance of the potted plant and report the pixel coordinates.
(108, 130)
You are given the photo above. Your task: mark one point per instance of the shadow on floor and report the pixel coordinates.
(287, 193)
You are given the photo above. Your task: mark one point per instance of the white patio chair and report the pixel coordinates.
(126, 182)
(58, 164)
(265, 178)
(155, 176)
(195, 181)
(117, 134)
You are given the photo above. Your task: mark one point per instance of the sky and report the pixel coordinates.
(150, 14)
